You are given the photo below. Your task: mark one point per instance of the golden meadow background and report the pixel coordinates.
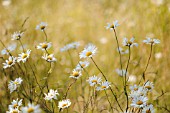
(84, 21)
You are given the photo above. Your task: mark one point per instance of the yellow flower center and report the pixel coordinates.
(151, 41)
(14, 111)
(24, 56)
(130, 43)
(135, 89)
(44, 46)
(16, 83)
(64, 105)
(83, 65)
(148, 87)
(10, 62)
(15, 105)
(76, 74)
(103, 87)
(148, 111)
(42, 27)
(139, 102)
(88, 53)
(112, 26)
(30, 110)
(49, 57)
(94, 81)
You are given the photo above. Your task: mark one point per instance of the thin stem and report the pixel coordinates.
(21, 45)
(108, 101)
(45, 35)
(127, 105)
(109, 86)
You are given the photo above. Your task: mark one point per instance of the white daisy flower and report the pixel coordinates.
(130, 42)
(24, 56)
(76, 74)
(94, 80)
(138, 91)
(82, 64)
(51, 95)
(15, 103)
(151, 41)
(12, 86)
(49, 58)
(104, 85)
(119, 72)
(17, 35)
(134, 87)
(10, 62)
(139, 102)
(123, 51)
(132, 78)
(112, 25)
(44, 46)
(31, 108)
(13, 110)
(10, 48)
(73, 45)
(89, 51)
(64, 104)
(148, 109)
(42, 26)
(149, 85)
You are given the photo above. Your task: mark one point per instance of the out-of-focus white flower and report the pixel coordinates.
(10, 48)
(119, 72)
(31, 108)
(132, 78)
(12, 86)
(17, 35)
(103, 40)
(10, 62)
(15, 104)
(157, 2)
(94, 80)
(44, 46)
(42, 26)
(49, 58)
(6, 2)
(24, 56)
(139, 102)
(123, 51)
(149, 86)
(76, 74)
(158, 55)
(73, 45)
(148, 109)
(130, 42)
(82, 64)
(112, 25)
(64, 104)
(51, 95)
(13, 110)
(104, 85)
(89, 51)
(151, 41)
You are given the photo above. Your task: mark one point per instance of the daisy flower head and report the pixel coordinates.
(138, 91)
(49, 57)
(89, 51)
(51, 95)
(31, 108)
(12, 86)
(94, 80)
(64, 104)
(151, 41)
(149, 86)
(139, 102)
(112, 25)
(44, 46)
(13, 110)
(24, 56)
(130, 42)
(104, 85)
(73, 45)
(42, 26)
(10, 62)
(76, 74)
(122, 51)
(82, 64)
(15, 103)
(10, 48)
(148, 109)
(17, 35)
(119, 72)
